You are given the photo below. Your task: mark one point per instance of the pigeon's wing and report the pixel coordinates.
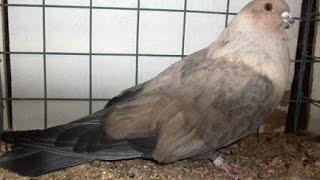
(231, 104)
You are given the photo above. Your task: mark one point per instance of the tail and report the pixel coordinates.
(41, 151)
(32, 162)
(34, 153)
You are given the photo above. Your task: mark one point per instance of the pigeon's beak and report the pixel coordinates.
(287, 18)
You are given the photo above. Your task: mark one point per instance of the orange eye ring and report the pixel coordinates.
(268, 7)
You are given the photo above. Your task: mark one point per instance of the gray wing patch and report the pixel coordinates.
(242, 109)
(234, 100)
(252, 96)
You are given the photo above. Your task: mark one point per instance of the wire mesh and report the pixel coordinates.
(137, 54)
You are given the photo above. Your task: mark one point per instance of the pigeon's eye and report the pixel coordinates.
(268, 7)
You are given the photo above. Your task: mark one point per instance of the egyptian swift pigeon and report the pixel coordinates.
(202, 103)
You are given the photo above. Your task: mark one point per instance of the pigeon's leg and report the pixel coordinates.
(234, 171)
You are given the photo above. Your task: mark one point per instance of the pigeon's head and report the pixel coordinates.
(269, 14)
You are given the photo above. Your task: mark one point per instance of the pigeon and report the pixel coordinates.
(198, 105)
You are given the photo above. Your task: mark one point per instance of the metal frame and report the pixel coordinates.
(44, 64)
(1, 105)
(7, 51)
(297, 118)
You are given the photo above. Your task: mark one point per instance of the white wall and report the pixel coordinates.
(114, 31)
(314, 123)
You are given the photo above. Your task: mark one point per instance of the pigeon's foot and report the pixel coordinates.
(234, 171)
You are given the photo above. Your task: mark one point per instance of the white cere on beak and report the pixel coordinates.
(287, 18)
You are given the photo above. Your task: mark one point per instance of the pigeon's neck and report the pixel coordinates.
(242, 44)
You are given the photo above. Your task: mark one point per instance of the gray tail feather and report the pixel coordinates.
(41, 151)
(35, 159)
(30, 162)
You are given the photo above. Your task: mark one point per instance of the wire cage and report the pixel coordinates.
(300, 99)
